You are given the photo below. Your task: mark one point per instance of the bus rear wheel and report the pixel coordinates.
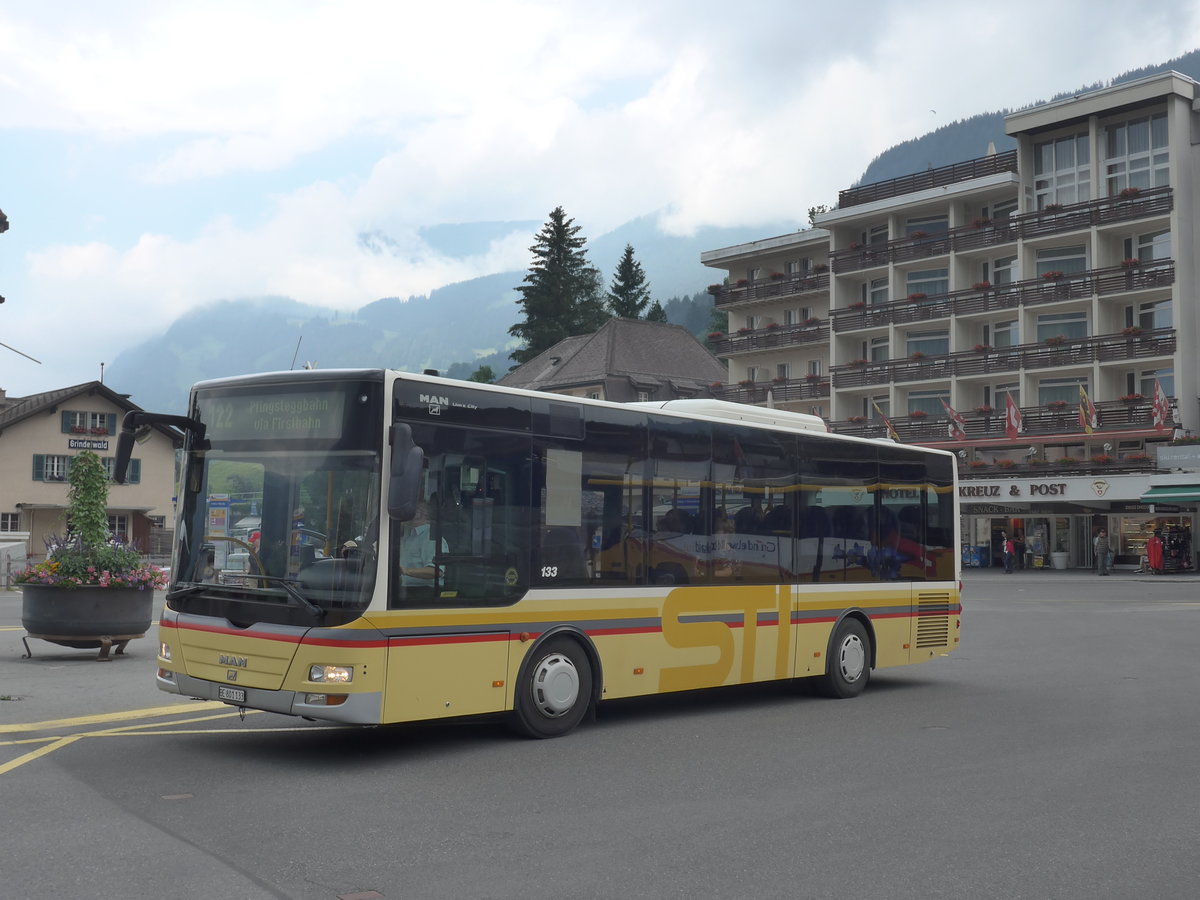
(849, 665)
(554, 691)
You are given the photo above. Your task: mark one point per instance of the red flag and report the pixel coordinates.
(1161, 408)
(1088, 420)
(887, 423)
(1012, 418)
(957, 426)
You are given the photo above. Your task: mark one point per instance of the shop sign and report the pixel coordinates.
(1181, 456)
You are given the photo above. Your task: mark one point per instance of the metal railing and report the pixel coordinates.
(920, 181)
(769, 288)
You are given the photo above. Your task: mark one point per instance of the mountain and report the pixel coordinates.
(236, 337)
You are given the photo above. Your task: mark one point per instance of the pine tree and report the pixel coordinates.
(561, 294)
(656, 313)
(629, 294)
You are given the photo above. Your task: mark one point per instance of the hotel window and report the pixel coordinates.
(754, 321)
(928, 402)
(1062, 170)
(756, 373)
(1159, 314)
(119, 526)
(1061, 259)
(1066, 390)
(930, 343)
(1149, 247)
(883, 403)
(875, 291)
(877, 234)
(1001, 392)
(931, 225)
(754, 273)
(1068, 325)
(50, 468)
(10, 521)
(814, 367)
(133, 474)
(1001, 334)
(877, 349)
(1002, 210)
(928, 281)
(797, 266)
(643, 396)
(74, 422)
(1136, 154)
(1146, 379)
(1001, 271)
(783, 370)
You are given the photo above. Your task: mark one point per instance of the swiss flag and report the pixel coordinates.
(1012, 418)
(1161, 408)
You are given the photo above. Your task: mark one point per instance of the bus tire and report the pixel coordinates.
(554, 691)
(849, 661)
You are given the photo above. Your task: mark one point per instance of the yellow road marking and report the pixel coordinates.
(101, 718)
(7, 767)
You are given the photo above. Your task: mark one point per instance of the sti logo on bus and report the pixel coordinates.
(435, 403)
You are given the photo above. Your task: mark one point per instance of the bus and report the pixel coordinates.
(426, 548)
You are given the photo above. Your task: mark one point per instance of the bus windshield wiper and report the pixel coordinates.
(290, 586)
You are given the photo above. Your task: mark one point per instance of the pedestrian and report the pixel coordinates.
(1008, 548)
(1100, 543)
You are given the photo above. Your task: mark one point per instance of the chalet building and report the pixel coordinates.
(1033, 310)
(625, 360)
(39, 437)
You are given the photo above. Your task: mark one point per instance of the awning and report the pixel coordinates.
(1173, 493)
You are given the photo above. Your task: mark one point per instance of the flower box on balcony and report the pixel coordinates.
(1038, 462)
(1052, 207)
(714, 288)
(1057, 404)
(776, 276)
(1066, 461)
(1129, 193)
(855, 245)
(771, 326)
(745, 382)
(1052, 276)
(779, 379)
(812, 376)
(858, 304)
(717, 384)
(1131, 331)
(745, 330)
(857, 362)
(917, 235)
(1133, 398)
(821, 267)
(742, 282)
(857, 420)
(1005, 463)
(1056, 340)
(981, 221)
(982, 286)
(810, 321)
(977, 464)
(1130, 263)
(1137, 457)
(914, 297)
(918, 414)
(981, 348)
(1102, 459)
(715, 335)
(917, 355)
(984, 410)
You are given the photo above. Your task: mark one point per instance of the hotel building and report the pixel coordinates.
(1033, 310)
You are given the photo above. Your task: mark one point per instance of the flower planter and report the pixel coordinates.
(86, 617)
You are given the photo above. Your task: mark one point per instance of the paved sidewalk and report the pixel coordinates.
(1061, 575)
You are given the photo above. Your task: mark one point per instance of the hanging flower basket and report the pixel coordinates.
(918, 414)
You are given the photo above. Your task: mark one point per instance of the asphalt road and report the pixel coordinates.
(1057, 754)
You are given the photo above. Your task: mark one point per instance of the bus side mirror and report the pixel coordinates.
(404, 487)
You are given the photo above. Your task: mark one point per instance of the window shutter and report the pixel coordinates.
(39, 467)
(66, 422)
(112, 423)
(135, 472)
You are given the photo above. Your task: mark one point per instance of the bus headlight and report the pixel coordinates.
(164, 651)
(331, 674)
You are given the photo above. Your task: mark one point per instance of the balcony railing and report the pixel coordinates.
(1156, 342)
(920, 181)
(781, 391)
(1032, 291)
(1115, 417)
(769, 288)
(1105, 211)
(769, 338)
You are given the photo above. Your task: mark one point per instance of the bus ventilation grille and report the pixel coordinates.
(933, 620)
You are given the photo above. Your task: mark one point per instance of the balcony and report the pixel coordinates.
(769, 288)
(746, 341)
(908, 184)
(781, 391)
(1157, 342)
(1052, 220)
(1116, 417)
(1030, 292)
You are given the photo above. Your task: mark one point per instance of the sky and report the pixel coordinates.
(157, 156)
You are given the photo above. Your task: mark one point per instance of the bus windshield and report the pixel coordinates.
(280, 507)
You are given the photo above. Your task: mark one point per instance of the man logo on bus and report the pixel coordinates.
(435, 403)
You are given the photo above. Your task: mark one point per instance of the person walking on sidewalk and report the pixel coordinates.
(1100, 543)
(1008, 549)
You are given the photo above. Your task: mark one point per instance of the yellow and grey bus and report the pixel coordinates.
(370, 546)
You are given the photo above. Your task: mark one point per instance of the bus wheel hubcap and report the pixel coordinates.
(555, 685)
(852, 658)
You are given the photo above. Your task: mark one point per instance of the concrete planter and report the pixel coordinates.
(85, 616)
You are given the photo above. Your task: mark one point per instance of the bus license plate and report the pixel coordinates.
(234, 695)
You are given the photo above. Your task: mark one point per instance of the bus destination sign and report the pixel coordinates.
(248, 417)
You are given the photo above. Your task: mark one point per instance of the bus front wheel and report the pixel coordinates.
(554, 691)
(849, 667)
